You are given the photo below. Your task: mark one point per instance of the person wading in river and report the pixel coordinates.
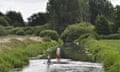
(58, 55)
(49, 60)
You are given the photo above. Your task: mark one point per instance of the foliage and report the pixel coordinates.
(49, 33)
(16, 30)
(74, 31)
(62, 13)
(118, 30)
(38, 29)
(111, 36)
(28, 30)
(15, 18)
(84, 8)
(46, 39)
(20, 32)
(75, 52)
(104, 51)
(38, 19)
(98, 7)
(116, 21)
(2, 31)
(16, 54)
(3, 21)
(102, 25)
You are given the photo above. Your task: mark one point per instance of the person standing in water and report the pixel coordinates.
(48, 57)
(58, 55)
(49, 60)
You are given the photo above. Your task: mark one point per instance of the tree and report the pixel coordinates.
(72, 32)
(1, 14)
(63, 12)
(3, 21)
(84, 10)
(102, 25)
(117, 19)
(98, 7)
(16, 18)
(38, 19)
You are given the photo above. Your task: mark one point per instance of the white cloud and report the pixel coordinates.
(26, 7)
(115, 2)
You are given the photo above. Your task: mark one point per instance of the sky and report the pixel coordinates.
(29, 7)
(26, 7)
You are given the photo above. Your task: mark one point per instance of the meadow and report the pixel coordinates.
(16, 53)
(106, 52)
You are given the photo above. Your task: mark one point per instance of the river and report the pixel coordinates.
(39, 65)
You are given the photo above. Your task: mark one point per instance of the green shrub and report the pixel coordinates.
(119, 30)
(74, 31)
(111, 36)
(17, 55)
(2, 31)
(47, 39)
(20, 32)
(102, 25)
(38, 29)
(49, 33)
(28, 30)
(8, 29)
(106, 52)
(3, 21)
(17, 31)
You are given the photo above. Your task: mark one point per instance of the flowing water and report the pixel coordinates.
(67, 65)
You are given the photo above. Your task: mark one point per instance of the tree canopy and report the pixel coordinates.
(98, 7)
(38, 19)
(16, 18)
(63, 12)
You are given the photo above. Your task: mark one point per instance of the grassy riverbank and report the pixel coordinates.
(106, 52)
(16, 53)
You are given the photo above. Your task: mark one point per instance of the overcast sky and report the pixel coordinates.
(28, 7)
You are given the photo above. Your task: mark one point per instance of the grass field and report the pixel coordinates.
(106, 52)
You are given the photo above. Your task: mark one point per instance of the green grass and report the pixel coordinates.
(106, 52)
(17, 53)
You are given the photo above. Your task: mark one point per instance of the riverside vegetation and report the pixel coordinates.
(104, 51)
(16, 53)
(87, 30)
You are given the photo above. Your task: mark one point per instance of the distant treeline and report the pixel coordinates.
(61, 13)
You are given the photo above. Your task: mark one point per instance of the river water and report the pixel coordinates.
(40, 65)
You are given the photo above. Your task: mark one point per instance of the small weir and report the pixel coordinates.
(40, 65)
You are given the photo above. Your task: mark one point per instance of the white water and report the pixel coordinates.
(70, 66)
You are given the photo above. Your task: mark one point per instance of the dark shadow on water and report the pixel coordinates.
(74, 51)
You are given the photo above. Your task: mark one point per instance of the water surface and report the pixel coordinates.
(40, 65)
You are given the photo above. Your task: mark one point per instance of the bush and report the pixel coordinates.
(119, 30)
(38, 29)
(3, 21)
(50, 33)
(8, 29)
(2, 31)
(73, 32)
(46, 39)
(111, 36)
(20, 32)
(106, 52)
(102, 25)
(17, 31)
(28, 30)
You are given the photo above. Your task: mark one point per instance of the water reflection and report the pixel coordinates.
(69, 66)
(48, 68)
